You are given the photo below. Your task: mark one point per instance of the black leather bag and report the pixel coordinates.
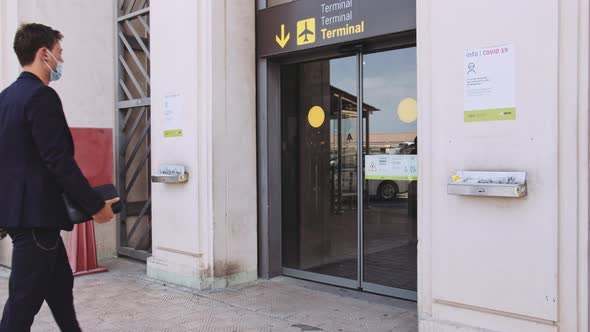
(107, 191)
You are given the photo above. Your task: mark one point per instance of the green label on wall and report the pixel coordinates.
(490, 115)
(173, 133)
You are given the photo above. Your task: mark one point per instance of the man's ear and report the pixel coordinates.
(42, 54)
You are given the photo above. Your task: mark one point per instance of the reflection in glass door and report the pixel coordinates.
(326, 205)
(390, 169)
(320, 170)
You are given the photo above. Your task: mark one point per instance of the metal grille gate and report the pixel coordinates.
(134, 231)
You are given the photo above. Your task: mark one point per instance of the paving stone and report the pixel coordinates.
(125, 300)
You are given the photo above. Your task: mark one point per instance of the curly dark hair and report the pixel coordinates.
(30, 38)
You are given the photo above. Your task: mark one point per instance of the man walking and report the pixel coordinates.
(37, 166)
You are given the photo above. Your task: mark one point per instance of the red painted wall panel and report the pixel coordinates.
(94, 153)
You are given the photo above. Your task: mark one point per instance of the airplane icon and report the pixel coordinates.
(306, 31)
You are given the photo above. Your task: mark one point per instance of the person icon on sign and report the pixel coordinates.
(471, 68)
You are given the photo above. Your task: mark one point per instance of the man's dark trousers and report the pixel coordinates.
(40, 272)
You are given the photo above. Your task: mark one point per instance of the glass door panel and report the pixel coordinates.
(390, 169)
(320, 170)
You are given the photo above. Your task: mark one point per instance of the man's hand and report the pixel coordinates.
(106, 213)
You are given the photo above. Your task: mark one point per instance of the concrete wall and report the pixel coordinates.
(234, 141)
(505, 264)
(86, 88)
(204, 231)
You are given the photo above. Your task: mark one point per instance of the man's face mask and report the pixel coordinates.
(54, 74)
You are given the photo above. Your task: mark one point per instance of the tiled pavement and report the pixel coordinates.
(394, 267)
(125, 300)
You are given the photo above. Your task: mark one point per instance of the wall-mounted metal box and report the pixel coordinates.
(493, 184)
(170, 174)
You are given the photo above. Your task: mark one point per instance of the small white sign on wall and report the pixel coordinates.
(489, 87)
(172, 115)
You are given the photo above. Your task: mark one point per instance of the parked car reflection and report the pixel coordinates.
(382, 190)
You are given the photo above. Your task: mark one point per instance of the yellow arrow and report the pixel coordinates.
(282, 40)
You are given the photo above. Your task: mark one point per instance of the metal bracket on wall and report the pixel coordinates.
(491, 184)
(177, 178)
(170, 174)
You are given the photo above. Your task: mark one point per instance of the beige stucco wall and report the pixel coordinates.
(492, 263)
(87, 85)
(204, 231)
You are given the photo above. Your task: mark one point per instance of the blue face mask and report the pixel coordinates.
(54, 74)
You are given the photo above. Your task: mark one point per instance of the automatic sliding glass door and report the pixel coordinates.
(348, 203)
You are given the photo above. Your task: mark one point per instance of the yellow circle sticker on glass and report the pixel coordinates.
(316, 117)
(408, 110)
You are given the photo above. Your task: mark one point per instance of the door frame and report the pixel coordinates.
(132, 128)
(269, 159)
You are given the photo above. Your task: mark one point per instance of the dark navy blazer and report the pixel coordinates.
(37, 159)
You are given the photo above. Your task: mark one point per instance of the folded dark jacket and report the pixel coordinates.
(77, 215)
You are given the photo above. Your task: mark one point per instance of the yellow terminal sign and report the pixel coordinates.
(344, 31)
(315, 23)
(306, 31)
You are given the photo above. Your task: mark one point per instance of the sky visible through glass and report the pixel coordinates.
(389, 77)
